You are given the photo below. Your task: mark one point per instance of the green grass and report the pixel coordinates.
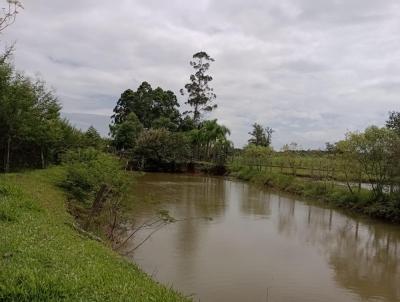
(42, 257)
(311, 165)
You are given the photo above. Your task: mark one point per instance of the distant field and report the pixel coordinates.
(323, 167)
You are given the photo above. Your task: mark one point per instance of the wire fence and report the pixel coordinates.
(327, 168)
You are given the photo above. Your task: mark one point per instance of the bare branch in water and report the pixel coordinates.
(163, 221)
(146, 238)
(145, 224)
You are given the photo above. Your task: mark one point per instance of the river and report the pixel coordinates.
(234, 241)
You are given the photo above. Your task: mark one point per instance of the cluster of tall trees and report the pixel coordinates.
(32, 132)
(148, 127)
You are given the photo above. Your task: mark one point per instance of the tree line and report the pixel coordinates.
(32, 132)
(147, 126)
(370, 157)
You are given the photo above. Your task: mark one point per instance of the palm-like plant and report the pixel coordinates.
(210, 134)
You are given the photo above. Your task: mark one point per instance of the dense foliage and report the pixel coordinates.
(161, 149)
(394, 121)
(377, 154)
(32, 132)
(87, 170)
(153, 107)
(260, 136)
(151, 133)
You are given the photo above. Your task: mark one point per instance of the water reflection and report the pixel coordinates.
(253, 195)
(263, 244)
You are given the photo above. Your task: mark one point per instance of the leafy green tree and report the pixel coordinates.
(159, 147)
(212, 133)
(17, 114)
(149, 105)
(260, 136)
(329, 147)
(164, 122)
(290, 155)
(187, 124)
(200, 95)
(377, 151)
(44, 131)
(138, 102)
(347, 163)
(165, 108)
(92, 138)
(394, 121)
(32, 134)
(257, 155)
(88, 170)
(125, 134)
(68, 138)
(208, 138)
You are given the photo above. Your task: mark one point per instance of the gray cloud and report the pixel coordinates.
(310, 69)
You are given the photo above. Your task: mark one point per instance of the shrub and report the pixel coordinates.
(160, 147)
(88, 169)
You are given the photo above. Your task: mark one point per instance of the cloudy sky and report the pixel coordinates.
(310, 69)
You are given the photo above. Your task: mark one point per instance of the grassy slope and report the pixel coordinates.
(43, 258)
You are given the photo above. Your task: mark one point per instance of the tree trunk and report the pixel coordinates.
(42, 158)
(196, 114)
(348, 182)
(97, 203)
(7, 165)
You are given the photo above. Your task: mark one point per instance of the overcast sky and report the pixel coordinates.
(310, 69)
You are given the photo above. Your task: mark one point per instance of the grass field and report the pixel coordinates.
(316, 166)
(43, 258)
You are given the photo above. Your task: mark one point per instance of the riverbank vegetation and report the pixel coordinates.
(361, 172)
(45, 257)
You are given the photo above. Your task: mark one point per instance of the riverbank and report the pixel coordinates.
(358, 201)
(43, 257)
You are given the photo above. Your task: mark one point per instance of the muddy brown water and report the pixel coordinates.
(260, 245)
